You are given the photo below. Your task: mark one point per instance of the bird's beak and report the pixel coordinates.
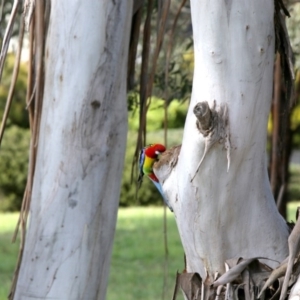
(157, 152)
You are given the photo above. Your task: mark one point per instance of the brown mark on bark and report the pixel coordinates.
(204, 117)
(95, 104)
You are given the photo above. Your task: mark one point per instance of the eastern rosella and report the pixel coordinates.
(148, 156)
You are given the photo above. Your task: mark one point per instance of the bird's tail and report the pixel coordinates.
(158, 186)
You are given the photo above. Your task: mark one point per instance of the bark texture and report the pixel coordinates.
(81, 150)
(224, 206)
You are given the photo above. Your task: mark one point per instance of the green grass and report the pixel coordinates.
(291, 211)
(137, 267)
(293, 192)
(294, 183)
(138, 261)
(8, 252)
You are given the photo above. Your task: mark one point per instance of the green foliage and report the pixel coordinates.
(177, 111)
(15, 145)
(13, 167)
(174, 58)
(5, 14)
(178, 85)
(14, 159)
(294, 187)
(295, 125)
(18, 114)
(295, 116)
(293, 25)
(147, 194)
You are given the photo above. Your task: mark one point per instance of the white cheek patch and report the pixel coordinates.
(157, 152)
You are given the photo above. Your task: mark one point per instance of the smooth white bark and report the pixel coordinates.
(80, 152)
(225, 214)
(295, 291)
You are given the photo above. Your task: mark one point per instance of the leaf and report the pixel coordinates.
(234, 272)
(294, 245)
(278, 272)
(190, 284)
(248, 285)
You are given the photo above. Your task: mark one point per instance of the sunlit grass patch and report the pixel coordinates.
(137, 266)
(294, 183)
(139, 255)
(8, 222)
(138, 259)
(291, 210)
(8, 252)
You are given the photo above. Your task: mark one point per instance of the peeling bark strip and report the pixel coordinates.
(244, 279)
(190, 284)
(213, 124)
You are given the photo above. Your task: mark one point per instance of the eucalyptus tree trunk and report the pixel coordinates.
(219, 188)
(81, 149)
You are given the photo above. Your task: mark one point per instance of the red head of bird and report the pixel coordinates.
(154, 150)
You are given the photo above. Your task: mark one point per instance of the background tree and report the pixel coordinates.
(283, 133)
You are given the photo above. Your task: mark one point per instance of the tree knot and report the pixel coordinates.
(213, 124)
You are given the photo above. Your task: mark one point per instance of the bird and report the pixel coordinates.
(148, 156)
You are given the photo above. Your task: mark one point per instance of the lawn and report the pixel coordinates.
(138, 261)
